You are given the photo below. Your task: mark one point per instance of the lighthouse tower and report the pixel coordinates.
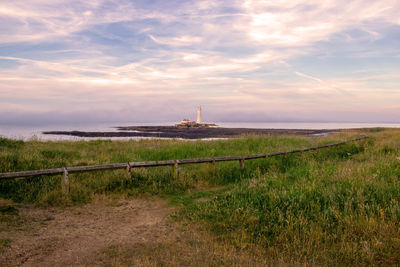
(198, 115)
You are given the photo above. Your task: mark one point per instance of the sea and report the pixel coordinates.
(29, 132)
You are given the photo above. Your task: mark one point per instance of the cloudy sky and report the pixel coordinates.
(156, 60)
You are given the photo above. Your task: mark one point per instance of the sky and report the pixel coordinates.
(242, 61)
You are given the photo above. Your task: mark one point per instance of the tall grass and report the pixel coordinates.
(31, 155)
(332, 206)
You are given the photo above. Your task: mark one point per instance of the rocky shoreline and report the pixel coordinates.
(189, 132)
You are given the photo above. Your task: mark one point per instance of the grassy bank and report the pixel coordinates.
(334, 206)
(31, 155)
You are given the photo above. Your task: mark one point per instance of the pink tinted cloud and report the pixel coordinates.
(194, 62)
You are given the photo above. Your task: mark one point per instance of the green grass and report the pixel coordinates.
(341, 207)
(47, 190)
(332, 206)
(4, 243)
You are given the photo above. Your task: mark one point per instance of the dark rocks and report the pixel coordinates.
(187, 133)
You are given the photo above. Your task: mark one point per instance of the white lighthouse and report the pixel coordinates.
(198, 115)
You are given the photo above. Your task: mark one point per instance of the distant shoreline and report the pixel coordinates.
(189, 133)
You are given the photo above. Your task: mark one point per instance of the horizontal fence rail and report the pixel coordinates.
(175, 163)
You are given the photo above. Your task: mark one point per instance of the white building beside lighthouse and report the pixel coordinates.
(188, 123)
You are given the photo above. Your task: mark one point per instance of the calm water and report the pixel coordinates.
(35, 132)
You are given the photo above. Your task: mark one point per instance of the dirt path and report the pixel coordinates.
(133, 232)
(54, 237)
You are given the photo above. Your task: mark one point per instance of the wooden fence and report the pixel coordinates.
(129, 165)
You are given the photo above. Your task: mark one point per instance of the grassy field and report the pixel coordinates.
(333, 206)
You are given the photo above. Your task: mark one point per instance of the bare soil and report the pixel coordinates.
(128, 232)
(70, 237)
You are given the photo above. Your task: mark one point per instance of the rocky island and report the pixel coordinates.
(188, 132)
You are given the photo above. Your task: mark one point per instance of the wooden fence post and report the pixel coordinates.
(213, 165)
(66, 182)
(175, 169)
(128, 170)
(241, 163)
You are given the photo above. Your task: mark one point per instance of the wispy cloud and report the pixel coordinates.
(308, 77)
